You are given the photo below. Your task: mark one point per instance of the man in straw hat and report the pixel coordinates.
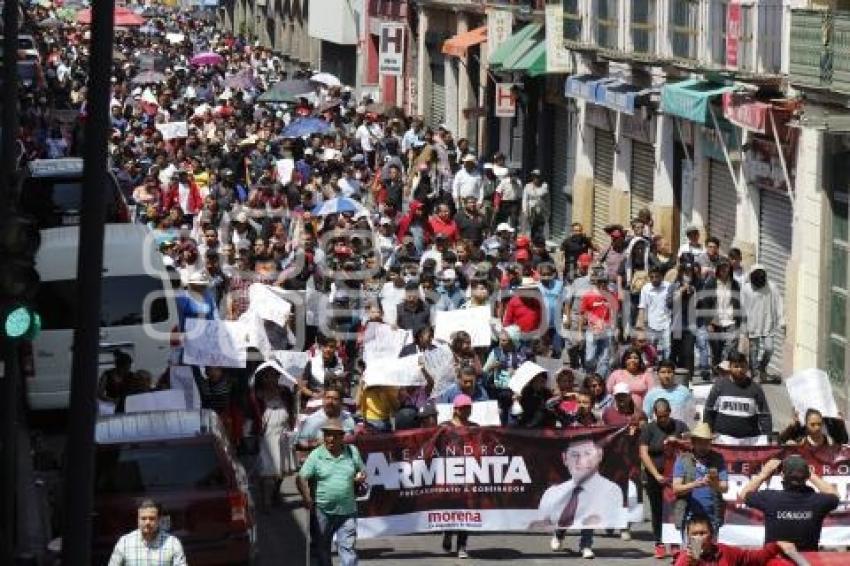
(327, 483)
(699, 481)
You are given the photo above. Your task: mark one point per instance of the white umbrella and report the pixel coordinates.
(523, 375)
(326, 79)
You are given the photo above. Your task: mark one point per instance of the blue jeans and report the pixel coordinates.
(345, 528)
(660, 340)
(585, 537)
(761, 350)
(597, 353)
(703, 350)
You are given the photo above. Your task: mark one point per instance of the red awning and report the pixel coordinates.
(751, 114)
(458, 44)
(123, 17)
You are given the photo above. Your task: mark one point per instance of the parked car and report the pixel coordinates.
(138, 310)
(51, 190)
(183, 460)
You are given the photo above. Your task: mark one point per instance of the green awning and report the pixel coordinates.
(690, 99)
(509, 47)
(530, 60)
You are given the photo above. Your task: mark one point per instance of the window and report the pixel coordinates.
(684, 26)
(606, 24)
(154, 466)
(122, 300)
(837, 358)
(572, 20)
(643, 26)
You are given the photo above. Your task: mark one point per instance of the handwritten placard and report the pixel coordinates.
(394, 372)
(267, 304)
(475, 321)
(810, 389)
(173, 130)
(440, 363)
(382, 341)
(216, 343)
(285, 167)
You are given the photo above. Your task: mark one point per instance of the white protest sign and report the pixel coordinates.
(810, 389)
(700, 397)
(484, 413)
(292, 364)
(391, 52)
(267, 304)
(505, 106)
(173, 37)
(285, 167)
(215, 343)
(183, 380)
(381, 341)
(167, 400)
(173, 130)
(475, 321)
(395, 372)
(440, 363)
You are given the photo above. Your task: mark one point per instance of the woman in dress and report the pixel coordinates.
(277, 407)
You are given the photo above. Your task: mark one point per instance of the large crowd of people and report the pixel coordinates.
(376, 217)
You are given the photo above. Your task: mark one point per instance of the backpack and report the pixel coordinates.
(680, 506)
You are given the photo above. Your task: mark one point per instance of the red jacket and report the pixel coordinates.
(448, 229)
(725, 555)
(524, 312)
(407, 220)
(171, 198)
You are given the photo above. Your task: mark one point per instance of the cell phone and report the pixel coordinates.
(695, 546)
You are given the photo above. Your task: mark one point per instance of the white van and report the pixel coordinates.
(138, 310)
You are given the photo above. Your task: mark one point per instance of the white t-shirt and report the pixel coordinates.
(654, 300)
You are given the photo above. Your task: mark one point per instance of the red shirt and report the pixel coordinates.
(524, 312)
(600, 308)
(448, 229)
(725, 555)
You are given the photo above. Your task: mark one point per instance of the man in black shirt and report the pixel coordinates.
(796, 512)
(470, 222)
(573, 246)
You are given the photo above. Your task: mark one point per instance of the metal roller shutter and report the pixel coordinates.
(775, 219)
(722, 204)
(437, 106)
(603, 178)
(560, 215)
(643, 176)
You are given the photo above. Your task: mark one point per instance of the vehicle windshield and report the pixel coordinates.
(122, 302)
(139, 468)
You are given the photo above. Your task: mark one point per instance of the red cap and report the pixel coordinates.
(522, 255)
(585, 260)
(522, 242)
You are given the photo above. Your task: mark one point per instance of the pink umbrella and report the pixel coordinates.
(123, 17)
(208, 58)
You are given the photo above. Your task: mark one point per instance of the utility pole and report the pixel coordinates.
(11, 373)
(79, 470)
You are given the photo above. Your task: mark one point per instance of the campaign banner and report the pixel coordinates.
(744, 526)
(497, 479)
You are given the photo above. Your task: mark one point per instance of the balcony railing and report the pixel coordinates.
(820, 49)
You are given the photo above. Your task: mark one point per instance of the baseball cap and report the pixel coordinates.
(795, 470)
(505, 227)
(462, 400)
(622, 388)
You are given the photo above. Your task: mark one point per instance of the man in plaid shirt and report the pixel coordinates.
(148, 545)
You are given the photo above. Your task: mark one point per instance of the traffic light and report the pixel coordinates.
(19, 242)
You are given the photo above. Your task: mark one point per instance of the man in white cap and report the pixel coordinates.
(467, 182)
(508, 196)
(451, 294)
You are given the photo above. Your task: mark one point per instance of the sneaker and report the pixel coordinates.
(447, 542)
(461, 553)
(660, 551)
(587, 553)
(625, 534)
(555, 544)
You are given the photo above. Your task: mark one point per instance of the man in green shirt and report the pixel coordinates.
(334, 469)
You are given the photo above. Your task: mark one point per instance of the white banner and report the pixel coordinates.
(391, 49)
(499, 27)
(167, 400)
(484, 413)
(505, 105)
(381, 341)
(394, 372)
(558, 58)
(475, 321)
(173, 130)
(215, 343)
(285, 167)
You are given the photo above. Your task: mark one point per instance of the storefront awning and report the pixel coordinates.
(530, 59)
(690, 99)
(511, 45)
(621, 96)
(746, 112)
(458, 45)
(586, 87)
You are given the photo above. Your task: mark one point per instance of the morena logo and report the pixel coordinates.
(452, 517)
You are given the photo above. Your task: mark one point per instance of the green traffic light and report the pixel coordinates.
(21, 322)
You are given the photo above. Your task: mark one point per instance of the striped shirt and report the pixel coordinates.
(133, 550)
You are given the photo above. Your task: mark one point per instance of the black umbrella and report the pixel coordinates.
(287, 91)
